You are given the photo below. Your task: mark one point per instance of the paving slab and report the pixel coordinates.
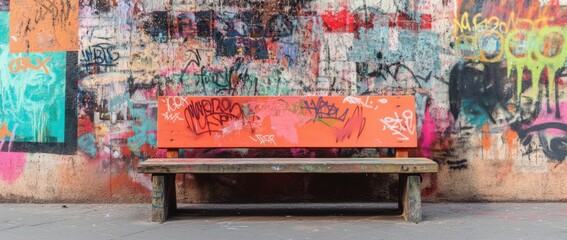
(285, 221)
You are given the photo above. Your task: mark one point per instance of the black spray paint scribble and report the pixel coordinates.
(211, 116)
(159, 26)
(481, 86)
(322, 109)
(382, 72)
(554, 146)
(230, 81)
(99, 58)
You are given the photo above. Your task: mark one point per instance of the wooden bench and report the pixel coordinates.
(288, 122)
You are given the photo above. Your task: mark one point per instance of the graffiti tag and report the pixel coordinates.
(25, 63)
(400, 126)
(366, 104)
(264, 139)
(174, 103)
(60, 12)
(208, 116)
(169, 116)
(99, 55)
(324, 110)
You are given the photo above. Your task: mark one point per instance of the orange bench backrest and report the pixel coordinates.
(286, 121)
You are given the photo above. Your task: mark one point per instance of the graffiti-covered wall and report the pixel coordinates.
(80, 81)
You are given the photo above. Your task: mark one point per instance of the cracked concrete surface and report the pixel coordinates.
(284, 221)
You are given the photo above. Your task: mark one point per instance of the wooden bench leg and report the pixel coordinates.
(164, 201)
(410, 197)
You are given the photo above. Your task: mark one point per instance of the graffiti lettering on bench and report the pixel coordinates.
(208, 116)
(367, 103)
(264, 139)
(169, 116)
(287, 121)
(400, 126)
(174, 103)
(322, 110)
(355, 124)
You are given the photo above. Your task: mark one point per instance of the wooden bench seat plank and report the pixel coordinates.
(288, 165)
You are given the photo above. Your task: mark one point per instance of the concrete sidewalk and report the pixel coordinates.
(284, 221)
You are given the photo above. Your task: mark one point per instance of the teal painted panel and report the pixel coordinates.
(32, 92)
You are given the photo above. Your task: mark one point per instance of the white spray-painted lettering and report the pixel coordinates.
(367, 103)
(232, 127)
(168, 116)
(174, 103)
(264, 139)
(4, 132)
(401, 127)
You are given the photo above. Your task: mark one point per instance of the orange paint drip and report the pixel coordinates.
(510, 137)
(485, 138)
(125, 187)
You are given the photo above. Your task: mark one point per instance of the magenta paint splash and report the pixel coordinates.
(11, 166)
(545, 117)
(427, 133)
(281, 116)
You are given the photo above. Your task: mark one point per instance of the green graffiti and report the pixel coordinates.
(552, 50)
(536, 51)
(519, 56)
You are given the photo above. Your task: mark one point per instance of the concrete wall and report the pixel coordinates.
(79, 81)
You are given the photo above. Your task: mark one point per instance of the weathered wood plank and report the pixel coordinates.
(163, 197)
(288, 165)
(410, 197)
(159, 204)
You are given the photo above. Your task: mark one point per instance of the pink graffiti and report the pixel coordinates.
(281, 116)
(11, 166)
(11, 163)
(355, 124)
(4, 132)
(428, 134)
(545, 117)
